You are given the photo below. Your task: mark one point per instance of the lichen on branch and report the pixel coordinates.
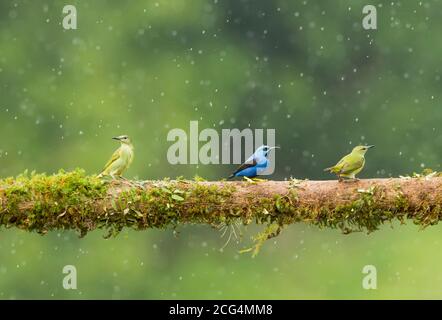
(76, 201)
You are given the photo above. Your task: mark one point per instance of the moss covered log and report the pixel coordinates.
(76, 201)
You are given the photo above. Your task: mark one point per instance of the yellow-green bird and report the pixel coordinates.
(120, 160)
(351, 164)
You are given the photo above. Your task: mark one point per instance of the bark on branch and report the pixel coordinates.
(76, 201)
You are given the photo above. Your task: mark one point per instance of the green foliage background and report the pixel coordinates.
(305, 68)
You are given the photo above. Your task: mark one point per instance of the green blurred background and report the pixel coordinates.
(305, 68)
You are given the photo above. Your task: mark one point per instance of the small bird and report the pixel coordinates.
(350, 165)
(120, 160)
(255, 165)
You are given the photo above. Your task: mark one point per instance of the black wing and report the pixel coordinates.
(245, 165)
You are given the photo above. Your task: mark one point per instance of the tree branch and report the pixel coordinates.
(76, 201)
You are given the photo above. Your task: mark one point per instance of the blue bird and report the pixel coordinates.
(255, 165)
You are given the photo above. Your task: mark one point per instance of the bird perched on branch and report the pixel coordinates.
(350, 165)
(255, 165)
(120, 160)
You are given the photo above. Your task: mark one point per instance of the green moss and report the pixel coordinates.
(38, 202)
(167, 204)
(73, 200)
(272, 230)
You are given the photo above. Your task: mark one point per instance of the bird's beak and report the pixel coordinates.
(116, 138)
(276, 147)
(370, 146)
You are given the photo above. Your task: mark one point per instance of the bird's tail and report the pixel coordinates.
(103, 174)
(231, 177)
(329, 169)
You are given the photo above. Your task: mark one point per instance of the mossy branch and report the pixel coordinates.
(73, 200)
